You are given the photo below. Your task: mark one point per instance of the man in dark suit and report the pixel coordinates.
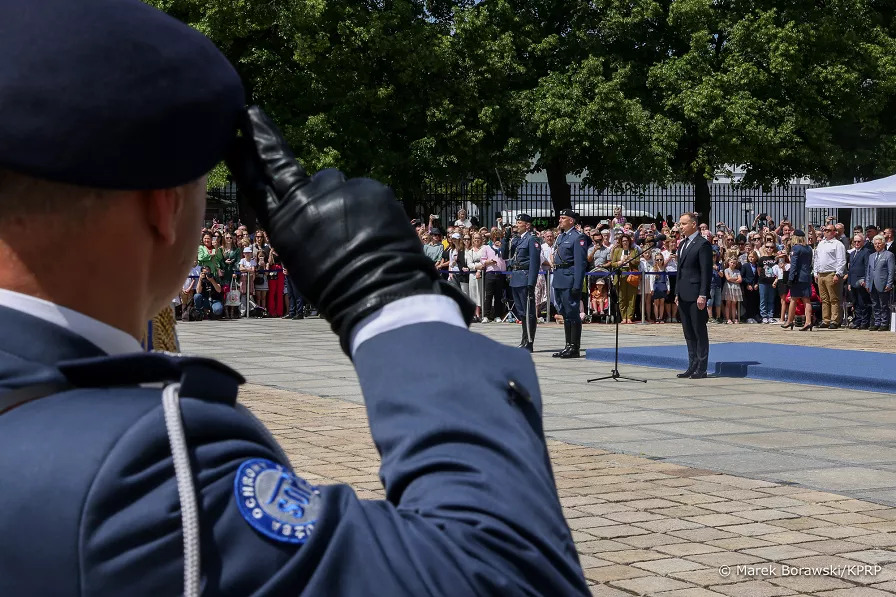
(694, 275)
(857, 266)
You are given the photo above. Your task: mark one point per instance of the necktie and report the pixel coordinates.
(684, 247)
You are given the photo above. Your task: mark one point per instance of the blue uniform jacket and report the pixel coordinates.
(90, 504)
(570, 259)
(525, 260)
(801, 264)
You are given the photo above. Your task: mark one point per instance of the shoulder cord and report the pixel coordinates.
(189, 511)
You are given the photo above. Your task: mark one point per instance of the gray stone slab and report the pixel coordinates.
(879, 496)
(845, 478)
(799, 421)
(872, 453)
(750, 462)
(778, 439)
(635, 418)
(714, 410)
(597, 436)
(701, 428)
(668, 448)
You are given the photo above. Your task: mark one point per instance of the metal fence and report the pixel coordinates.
(731, 204)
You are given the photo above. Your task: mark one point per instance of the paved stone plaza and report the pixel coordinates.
(663, 483)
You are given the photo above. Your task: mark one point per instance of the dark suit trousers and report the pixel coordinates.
(880, 302)
(861, 302)
(751, 302)
(693, 321)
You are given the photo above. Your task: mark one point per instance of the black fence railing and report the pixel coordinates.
(732, 204)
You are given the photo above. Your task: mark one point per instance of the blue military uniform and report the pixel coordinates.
(524, 263)
(570, 264)
(134, 473)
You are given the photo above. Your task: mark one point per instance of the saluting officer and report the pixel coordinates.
(525, 261)
(134, 473)
(570, 263)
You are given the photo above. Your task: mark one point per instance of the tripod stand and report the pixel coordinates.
(617, 315)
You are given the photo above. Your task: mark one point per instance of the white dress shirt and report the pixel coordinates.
(110, 340)
(830, 257)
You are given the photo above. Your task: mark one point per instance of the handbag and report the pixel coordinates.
(633, 280)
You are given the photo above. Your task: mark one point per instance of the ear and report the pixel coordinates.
(163, 208)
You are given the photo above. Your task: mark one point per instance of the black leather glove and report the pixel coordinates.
(347, 244)
(530, 290)
(575, 294)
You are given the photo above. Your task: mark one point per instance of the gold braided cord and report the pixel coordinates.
(164, 335)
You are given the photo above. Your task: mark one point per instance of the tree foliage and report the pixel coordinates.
(623, 92)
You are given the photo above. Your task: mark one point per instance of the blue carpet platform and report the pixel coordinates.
(853, 369)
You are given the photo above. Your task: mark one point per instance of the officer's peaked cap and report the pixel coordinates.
(111, 94)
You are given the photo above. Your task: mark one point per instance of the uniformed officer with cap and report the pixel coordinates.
(524, 263)
(570, 263)
(135, 473)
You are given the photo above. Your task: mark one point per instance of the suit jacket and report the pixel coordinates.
(801, 264)
(880, 270)
(748, 275)
(525, 260)
(570, 260)
(90, 492)
(694, 270)
(858, 263)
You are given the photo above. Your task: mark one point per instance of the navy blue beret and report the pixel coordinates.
(111, 94)
(524, 218)
(569, 214)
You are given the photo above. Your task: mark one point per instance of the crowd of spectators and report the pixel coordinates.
(238, 274)
(835, 283)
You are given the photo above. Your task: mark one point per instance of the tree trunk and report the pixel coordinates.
(702, 198)
(560, 194)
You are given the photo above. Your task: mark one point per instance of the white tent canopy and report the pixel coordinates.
(872, 193)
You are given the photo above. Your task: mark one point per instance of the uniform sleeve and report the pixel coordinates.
(471, 505)
(534, 259)
(580, 261)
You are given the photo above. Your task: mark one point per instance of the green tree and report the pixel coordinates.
(546, 94)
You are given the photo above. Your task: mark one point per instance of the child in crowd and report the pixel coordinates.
(716, 286)
(781, 270)
(600, 299)
(732, 293)
(660, 288)
(647, 265)
(247, 268)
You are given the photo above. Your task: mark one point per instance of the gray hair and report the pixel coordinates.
(859, 236)
(879, 237)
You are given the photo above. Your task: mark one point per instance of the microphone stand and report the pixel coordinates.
(617, 315)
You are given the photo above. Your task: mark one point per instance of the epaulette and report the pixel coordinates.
(199, 377)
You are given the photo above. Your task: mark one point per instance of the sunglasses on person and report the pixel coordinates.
(769, 246)
(467, 239)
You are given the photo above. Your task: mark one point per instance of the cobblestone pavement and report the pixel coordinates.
(818, 437)
(643, 527)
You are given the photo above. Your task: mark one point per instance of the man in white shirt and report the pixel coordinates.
(829, 264)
